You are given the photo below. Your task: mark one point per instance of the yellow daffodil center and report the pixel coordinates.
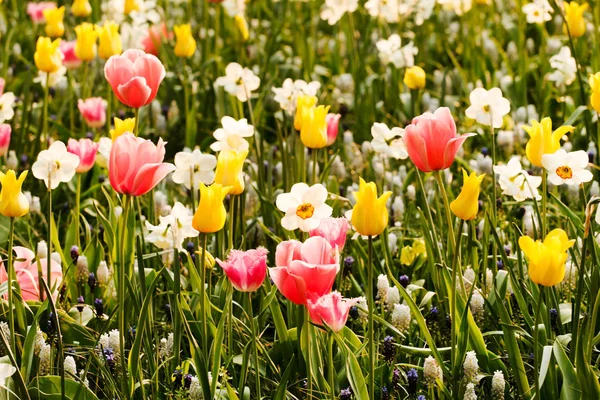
(564, 172)
(305, 211)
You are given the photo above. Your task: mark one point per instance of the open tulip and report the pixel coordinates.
(13, 203)
(54, 17)
(109, 40)
(370, 214)
(334, 230)
(86, 150)
(314, 127)
(211, 214)
(302, 103)
(574, 19)
(122, 126)
(185, 45)
(542, 140)
(70, 60)
(246, 269)
(47, 57)
(431, 140)
(26, 271)
(134, 77)
(85, 48)
(81, 8)
(230, 170)
(333, 127)
(305, 271)
(5, 133)
(136, 165)
(331, 310)
(547, 259)
(93, 111)
(466, 205)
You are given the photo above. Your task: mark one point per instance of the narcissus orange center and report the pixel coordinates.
(564, 172)
(305, 211)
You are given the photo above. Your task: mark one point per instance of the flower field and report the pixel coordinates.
(297, 199)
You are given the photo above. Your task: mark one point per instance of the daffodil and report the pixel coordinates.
(304, 102)
(185, 45)
(369, 216)
(109, 40)
(85, 48)
(48, 57)
(466, 206)
(230, 165)
(55, 26)
(211, 214)
(542, 140)
(574, 19)
(314, 127)
(13, 203)
(547, 259)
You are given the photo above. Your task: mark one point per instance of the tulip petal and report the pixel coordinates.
(149, 176)
(135, 93)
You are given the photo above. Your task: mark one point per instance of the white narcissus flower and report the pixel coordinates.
(6, 371)
(567, 168)
(172, 229)
(516, 182)
(488, 106)
(287, 94)
(234, 7)
(334, 10)
(54, 78)
(538, 11)
(565, 67)
(390, 52)
(304, 207)
(387, 9)
(55, 165)
(7, 101)
(194, 167)
(458, 6)
(231, 135)
(396, 148)
(238, 81)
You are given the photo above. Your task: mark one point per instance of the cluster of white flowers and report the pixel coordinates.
(165, 349)
(383, 285)
(401, 317)
(172, 229)
(516, 182)
(432, 371)
(477, 305)
(470, 392)
(498, 385)
(394, 10)
(391, 52)
(103, 274)
(111, 340)
(334, 10)
(471, 367)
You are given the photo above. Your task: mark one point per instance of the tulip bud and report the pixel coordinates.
(466, 206)
(109, 40)
(47, 57)
(81, 8)
(370, 214)
(211, 215)
(574, 20)
(85, 48)
(55, 26)
(185, 45)
(13, 203)
(229, 171)
(415, 77)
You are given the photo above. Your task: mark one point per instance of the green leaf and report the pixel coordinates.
(545, 364)
(570, 388)
(48, 388)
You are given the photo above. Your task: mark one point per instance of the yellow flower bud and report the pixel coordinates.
(574, 19)
(131, 5)
(595, 97)
(242, 25)
(210, 215)
(122, 126)
(414, 77)
(314, 127)
(81, 8)
(408, 255)
(230, 170)
(466, 206)
(54, 17)
(370, 214)
(110, 40)
(13, 203)
(303, 102)
(85, 48)
(542, 140)
(48, 57)
(185, 45)
(547, 259)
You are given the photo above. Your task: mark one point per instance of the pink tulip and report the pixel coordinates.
(26, 271)
(134, 77)
(246, 269)
(331, 310)
(333, 230)
(431, 140)
(136, 165)
(36, 10)
(333, 123)
(70, 60)
(93, 111)
(86, 150)
(154, 40)
(305, 271)
(5, 131)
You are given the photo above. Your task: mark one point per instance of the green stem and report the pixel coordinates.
(49, 244)
(255, 345)
(371, 333)
(203, 293)
(231, 221)
(453, 316)
(11, 273)
(544, 202)
(121, 288)
(440, 181)
(331, 366)
(308, 326)
(176, 313)
(137, 122)
(45, 109)
(535, 341)
(314, 166)
(494, 194)
(77, 212)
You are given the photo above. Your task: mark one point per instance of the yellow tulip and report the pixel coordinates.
(370, 214)
(81, 8)
(229, 172)
(85, 48)
(48, 57)
(414, 77)
(54, 17)
(122, 126)
(542, 140)
(314, 127)
(13, 203)
(595, 97)
(466, 206)
(210, 215)
(131, 5)
(303, 103)
(185, 45)
(110, 40)
(242, 25)
(408, 255)
(574, 19)
(547, 259)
